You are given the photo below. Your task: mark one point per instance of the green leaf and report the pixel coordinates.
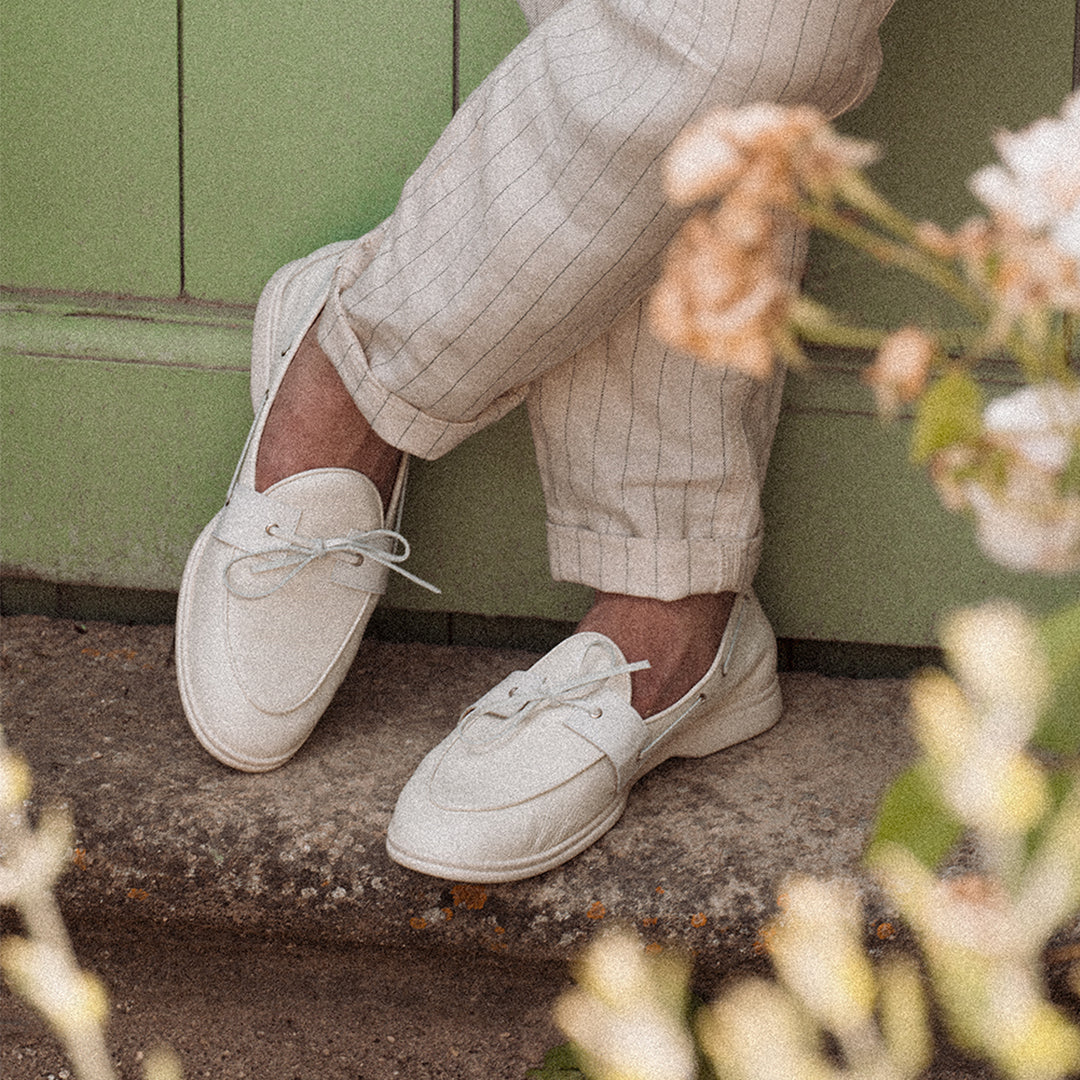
(1070, 479)
(1059, 725)
(913, 814)
(949, 412)
(560, 1063)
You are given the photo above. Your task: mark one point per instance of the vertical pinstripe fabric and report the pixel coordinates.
(652, 464)
(516, 262)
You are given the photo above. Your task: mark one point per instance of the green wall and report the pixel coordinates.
(137, 228)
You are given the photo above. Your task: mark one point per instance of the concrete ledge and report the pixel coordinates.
(165, 833)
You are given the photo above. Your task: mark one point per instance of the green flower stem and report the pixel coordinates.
(903, 255)
(819, 328)
(841, 336)
(857, 192)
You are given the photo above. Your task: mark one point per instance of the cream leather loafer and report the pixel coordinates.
(542, 765)
(279, 587)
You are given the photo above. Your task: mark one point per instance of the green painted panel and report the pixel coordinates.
(857, 546)
(301, 124)
(475, 519)
(151, 400)
(111, 469)
(489, 30)
(89, 192)
(954, 74)
(177, 334)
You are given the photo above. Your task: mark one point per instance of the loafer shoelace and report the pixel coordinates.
(294, 552)
(513, 703)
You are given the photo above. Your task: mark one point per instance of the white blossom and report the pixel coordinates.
(1040, 423)
(1037, 184)
(1025, 519)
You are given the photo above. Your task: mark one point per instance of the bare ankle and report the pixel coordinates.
(679, 638)
(314, 423)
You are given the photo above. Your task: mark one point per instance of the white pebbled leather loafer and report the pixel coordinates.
(279, 587)
(542, 765)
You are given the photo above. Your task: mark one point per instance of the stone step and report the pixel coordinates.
(165, 833)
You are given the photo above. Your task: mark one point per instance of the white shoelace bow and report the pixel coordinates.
(527, 691)
(299, 552)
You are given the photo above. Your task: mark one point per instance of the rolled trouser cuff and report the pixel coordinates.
(661, 569)
(393, 419)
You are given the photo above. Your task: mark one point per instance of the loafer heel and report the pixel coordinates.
(739, 702)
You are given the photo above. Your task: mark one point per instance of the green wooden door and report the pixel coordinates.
(138, 224)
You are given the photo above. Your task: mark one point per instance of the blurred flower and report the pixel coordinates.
(15, 781)
(942, 718)
(816, 947)
(757, 1032)
(996, 653)
(1013, 480)
(725, 294)
(1026, 525)
(975, 729)
(1051, 888)
(1026, 258)
(1040, 424)
(1037, 185)
(1003, 793)
(44, 974)
(905, 1024)
(985, 961)
(901, 368)
(771, 153)
(626, 1016)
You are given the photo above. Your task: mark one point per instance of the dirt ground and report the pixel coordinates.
(244, 1009)
(236, 1008)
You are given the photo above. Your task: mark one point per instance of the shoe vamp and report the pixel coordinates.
(538, 757)
(282, 646)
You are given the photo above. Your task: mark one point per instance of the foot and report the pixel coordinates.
(314, 423)
(679, 638)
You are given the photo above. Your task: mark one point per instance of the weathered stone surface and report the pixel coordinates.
(165, 832)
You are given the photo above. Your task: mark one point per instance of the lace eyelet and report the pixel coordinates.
(596, 713)
(270, 528)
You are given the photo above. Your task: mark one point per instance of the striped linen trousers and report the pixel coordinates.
(518, 262)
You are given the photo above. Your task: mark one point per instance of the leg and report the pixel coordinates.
(314, 423)
(487, 277)
(539, 216)
(534, 224)
(652, 466)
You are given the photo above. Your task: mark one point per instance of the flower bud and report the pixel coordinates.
(996, 654)
(757, 1032)
(901, 368)
(943, 721)
(69, 998)
(16, 781)
(818, 953)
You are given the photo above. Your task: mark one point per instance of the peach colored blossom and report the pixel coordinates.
(724, 296)
(900, 369)
(771, 150)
